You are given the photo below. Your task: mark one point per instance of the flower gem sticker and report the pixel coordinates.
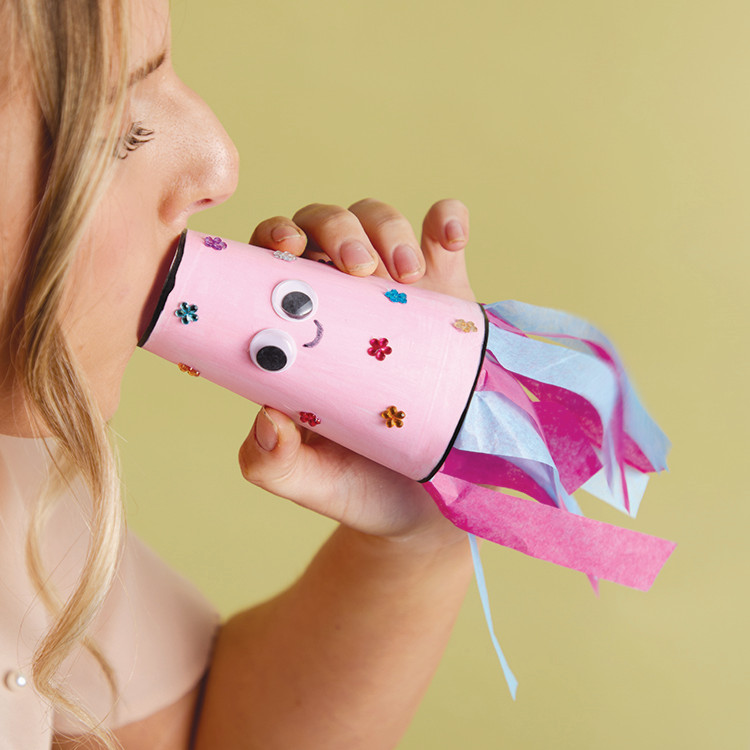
(307, 417)
(467, 326)
(379, 349)
(396, 296)
(189, 370)
(187, 313)
(393, 417)
(284, 255)
(215, 243)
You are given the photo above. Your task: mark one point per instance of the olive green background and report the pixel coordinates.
(603, 150)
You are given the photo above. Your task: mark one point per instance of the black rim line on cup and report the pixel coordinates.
(166, 289)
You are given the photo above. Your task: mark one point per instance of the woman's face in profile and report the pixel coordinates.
(174, 159)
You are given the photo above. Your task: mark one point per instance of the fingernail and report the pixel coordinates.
(284, 232)
(406, 261)
(266, 432)
(454, 232)
(356, 257)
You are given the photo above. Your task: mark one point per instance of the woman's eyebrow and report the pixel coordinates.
(147, 68)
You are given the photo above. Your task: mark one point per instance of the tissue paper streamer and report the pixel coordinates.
(501, 410)
(545, 420)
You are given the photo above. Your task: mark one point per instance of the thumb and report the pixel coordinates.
(270, 455)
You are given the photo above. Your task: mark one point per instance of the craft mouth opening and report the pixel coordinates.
(162, 286)
(318, 335)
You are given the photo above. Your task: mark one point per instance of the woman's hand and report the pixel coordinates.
(368, 238)
(373, 238)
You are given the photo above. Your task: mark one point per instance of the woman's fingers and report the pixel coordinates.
(283, 459)
(309, 470)
(273, 455)
(446, 227)
(339, 234)
(371, 237)
(368, 237)
(325, 477)
(393, 237)
(445, 235)
(279, 233)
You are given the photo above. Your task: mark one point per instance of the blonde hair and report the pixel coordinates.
(77, 51)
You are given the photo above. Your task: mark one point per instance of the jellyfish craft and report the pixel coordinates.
(501, 410)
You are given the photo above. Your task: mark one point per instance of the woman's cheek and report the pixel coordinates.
(108, 288)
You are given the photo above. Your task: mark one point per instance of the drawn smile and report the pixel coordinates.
(318, 336)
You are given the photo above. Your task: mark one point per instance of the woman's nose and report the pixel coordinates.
(205, 165)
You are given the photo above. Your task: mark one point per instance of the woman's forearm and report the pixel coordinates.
(343, 657)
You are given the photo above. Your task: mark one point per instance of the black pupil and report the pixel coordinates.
(271, 358)
(296, 305)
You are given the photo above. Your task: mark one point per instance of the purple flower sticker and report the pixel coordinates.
(215, 243)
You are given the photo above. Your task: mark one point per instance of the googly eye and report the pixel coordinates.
(273, 350)
(294, 300)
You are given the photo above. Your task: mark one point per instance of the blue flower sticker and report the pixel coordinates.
(396, 296)
(187, 313)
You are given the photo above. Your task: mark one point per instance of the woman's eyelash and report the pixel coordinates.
(136, 136)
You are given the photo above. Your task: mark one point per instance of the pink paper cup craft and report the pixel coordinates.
(452, 393)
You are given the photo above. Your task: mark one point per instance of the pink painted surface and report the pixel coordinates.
(428, 375)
